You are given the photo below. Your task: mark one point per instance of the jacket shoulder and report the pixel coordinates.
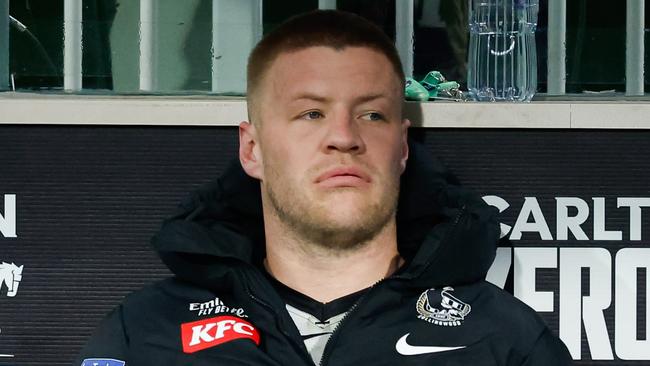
(509, 311)
(519, 325)
(167, 295)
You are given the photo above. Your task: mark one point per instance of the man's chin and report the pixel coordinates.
(340, 218)
(357, 222)
(342, 235)
(333, 192)
(347, 214)
(346, 199)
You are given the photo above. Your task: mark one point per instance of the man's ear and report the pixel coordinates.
(250, 155)
(405, 145)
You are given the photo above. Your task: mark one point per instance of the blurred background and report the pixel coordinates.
(184, 47)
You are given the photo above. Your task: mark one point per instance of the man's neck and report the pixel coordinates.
(325, 274)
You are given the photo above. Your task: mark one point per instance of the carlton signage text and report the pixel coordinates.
(613, 270)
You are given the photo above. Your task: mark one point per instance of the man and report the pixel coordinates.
(310, 254)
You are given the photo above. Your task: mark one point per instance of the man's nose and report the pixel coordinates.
(344, 135)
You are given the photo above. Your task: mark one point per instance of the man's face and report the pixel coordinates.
(330, 143)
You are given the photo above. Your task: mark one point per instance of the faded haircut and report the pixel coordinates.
(328, 28)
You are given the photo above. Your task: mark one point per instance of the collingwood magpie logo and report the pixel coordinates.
(453, 310)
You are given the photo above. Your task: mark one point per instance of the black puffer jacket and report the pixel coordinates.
(220, 309)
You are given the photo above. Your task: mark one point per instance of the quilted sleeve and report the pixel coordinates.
(108, 345)
(548, 350)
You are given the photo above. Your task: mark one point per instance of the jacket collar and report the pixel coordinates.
(446, 234)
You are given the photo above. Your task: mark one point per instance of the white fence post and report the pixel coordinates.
(148, 45)
(326, 4)
(72, 45)
(4, 44)
(634, 47)
(404, 34)
(236, 28)
(556, 76)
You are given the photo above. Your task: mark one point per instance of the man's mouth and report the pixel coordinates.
(343, 177)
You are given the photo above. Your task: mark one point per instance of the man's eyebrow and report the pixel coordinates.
(369, 97)
(323, 99)
(311, 96)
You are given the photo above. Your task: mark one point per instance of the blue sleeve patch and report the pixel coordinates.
(102, 362)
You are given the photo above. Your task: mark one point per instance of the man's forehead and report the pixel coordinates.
(315, 72)
(318, 55)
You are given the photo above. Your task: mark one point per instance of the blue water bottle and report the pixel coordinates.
(502, 63)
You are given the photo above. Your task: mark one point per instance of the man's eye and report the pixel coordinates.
(373, 116)
(313, 115)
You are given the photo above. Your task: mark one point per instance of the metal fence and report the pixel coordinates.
(245, 18)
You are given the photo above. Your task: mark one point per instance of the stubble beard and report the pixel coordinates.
(311, 222)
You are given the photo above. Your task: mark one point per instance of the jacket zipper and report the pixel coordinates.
(328, 346)
(305, 354)
(330, 341)
(269, 307)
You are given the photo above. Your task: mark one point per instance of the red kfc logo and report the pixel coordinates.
(206, 333)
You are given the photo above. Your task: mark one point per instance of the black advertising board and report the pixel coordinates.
(78, 205)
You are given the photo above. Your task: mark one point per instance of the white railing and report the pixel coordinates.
(242, 22)
(148, 45)
(326, 4)
(556, 74)
(4, 44)
(72, 46)
(634, 47)
(236, 28)
(634, 50)
(404, 34)
(56, 109)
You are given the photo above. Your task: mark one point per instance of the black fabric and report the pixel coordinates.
(229, 212)
(214, 245)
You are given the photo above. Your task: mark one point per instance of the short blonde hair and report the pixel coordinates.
(329, 28)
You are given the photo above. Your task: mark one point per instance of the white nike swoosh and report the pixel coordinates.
(406, 349)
